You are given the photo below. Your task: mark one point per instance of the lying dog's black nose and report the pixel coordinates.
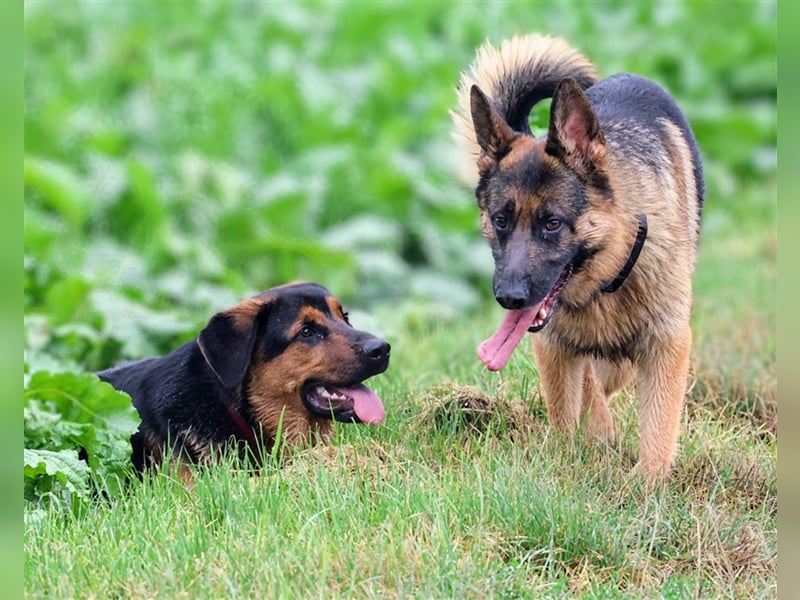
(376, 349)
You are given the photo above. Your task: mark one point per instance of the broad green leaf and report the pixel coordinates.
(83, 398)
(65, 298)
(45, 470)
(60, 187)
(92, 416)
(45, 427)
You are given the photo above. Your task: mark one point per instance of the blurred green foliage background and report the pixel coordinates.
(181, 155)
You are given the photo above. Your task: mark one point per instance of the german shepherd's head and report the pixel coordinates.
(546, 204)
(298, 360)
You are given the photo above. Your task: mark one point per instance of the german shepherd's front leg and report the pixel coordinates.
(562, 377)
(661, 384)
(601, 381)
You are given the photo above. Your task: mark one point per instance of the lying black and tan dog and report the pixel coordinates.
(286, 361)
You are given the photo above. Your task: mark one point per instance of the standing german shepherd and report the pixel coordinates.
(594, 231)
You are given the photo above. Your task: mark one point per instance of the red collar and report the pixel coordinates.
(244, 429)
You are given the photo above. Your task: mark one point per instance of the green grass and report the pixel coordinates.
(422, 512)
(440, 501)
(180, 156)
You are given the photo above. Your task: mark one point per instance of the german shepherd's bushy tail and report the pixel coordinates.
(515, 76)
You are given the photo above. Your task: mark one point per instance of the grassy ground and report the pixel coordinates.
(464, 492)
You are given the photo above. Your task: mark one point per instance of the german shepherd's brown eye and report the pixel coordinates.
(500, 221)
(553, 225)
(306, 331)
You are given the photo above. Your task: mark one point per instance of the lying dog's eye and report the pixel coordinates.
(552, 225)
(306, 331)
(500, 221)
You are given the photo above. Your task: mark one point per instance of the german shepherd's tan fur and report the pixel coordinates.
(618, 169)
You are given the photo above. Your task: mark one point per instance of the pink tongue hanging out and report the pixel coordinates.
(496, 351)
(366, 404)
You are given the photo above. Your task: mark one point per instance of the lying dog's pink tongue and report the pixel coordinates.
(496, 351)
(366, 404)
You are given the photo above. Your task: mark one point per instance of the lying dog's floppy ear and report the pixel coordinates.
(227, 341)
(574, 135)
(492, 133)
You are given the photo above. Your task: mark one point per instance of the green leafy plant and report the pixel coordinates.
(77, 437)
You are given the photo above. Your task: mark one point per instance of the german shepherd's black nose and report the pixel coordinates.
(511, 302)
(511, 296)
(510, 288)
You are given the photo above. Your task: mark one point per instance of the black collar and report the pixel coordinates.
(641, 236)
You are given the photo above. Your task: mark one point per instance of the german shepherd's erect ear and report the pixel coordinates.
(574, 136)
(493, 134)
(227, 341)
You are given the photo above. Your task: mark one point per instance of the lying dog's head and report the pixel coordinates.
(296, 361)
